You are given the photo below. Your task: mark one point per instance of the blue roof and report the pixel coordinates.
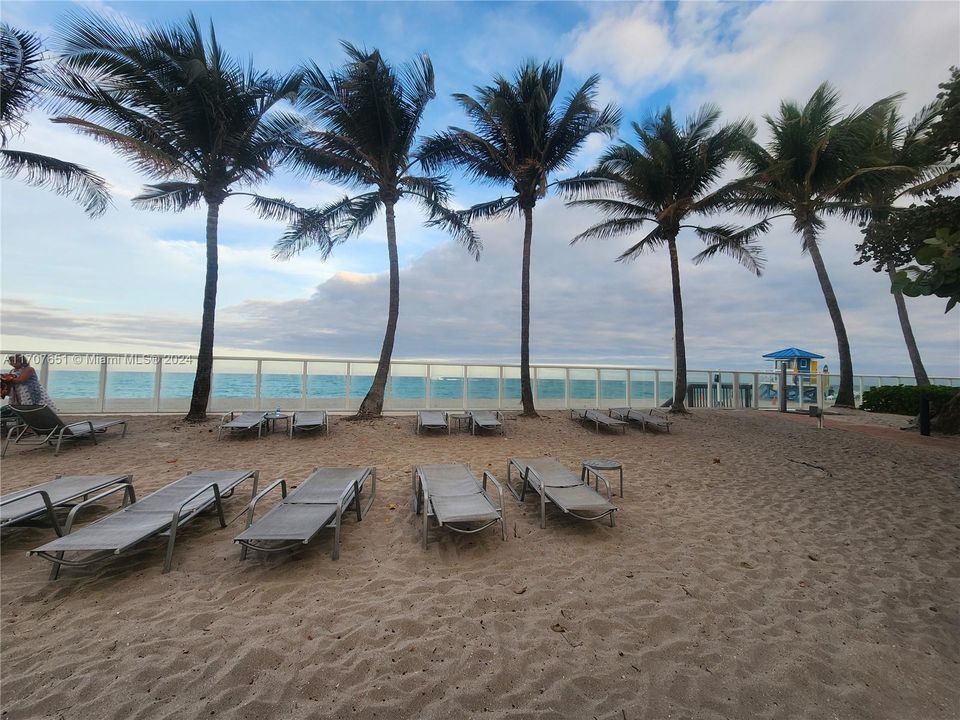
(789, 353)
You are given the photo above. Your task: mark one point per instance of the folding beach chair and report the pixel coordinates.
(242, 423)
(557, 484)
(451, 494)
(306, 420)
(655, 419)
(61, 492)
(486, 420)
(298, 518)
(45, 426)
(599, 420)
(160, 513)
(432, 420)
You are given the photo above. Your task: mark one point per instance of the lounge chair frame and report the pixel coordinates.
(242, 429)
(58, 434)
(532, 479)
(423, 506)
(599, 420)
(476, 426)
(421, 425)
(325, 425)
(656, 419)
(177, 520)
(122, 482)
(350, 495)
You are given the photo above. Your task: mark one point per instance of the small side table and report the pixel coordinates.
(597, 464)
(273, 417)
(461, 418)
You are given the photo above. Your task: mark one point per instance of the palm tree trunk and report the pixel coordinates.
(372, 404)
(526, 388)
(201, 382)
(845, 392)
(680, 347)
(919, 372)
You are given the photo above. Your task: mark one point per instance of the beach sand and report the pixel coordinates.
(759, 568)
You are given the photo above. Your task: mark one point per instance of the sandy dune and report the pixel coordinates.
(759, 568)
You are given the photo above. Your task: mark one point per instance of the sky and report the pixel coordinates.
(132, 280)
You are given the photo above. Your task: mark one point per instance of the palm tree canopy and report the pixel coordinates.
(521, 133)
(819, 161)
(20, 58)
(666, 177)
(175, 105)
(360, 129)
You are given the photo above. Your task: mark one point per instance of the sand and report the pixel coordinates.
(759, 568)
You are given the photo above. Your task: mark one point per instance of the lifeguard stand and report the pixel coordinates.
(798, 380)
(797, 361)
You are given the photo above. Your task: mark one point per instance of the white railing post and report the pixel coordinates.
(656, 388)
(710, 389)
(157, 383)
(499, 387)
(629, 388)
(756, 391)
(737, 400)
(463, 375)
(427, 394)
(303, 386)
(346, 387)
(596, 398)
(102, 384)
(566, 389)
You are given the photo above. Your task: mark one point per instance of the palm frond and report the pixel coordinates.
(174, 196)
(737, 242)
(20, 73)
(64, 178)
(317, 228)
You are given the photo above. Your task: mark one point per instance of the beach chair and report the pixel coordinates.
(655, 419)
(243, 422)
(452, 495)
(432, 420)
(61, 492)
(599, 420)
(486, 420)
(557, 484)
(163, 513)
(45, 427)
(306, 420)
(298, 518)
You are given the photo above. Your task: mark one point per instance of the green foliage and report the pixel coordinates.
(905, 399)
(900, 236)
(938, 269)
(945, 133)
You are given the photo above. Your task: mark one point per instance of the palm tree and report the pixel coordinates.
(182, 112)
(661, 182)
(21, 82)
(817, 165)
(522, 134)
(364, 121)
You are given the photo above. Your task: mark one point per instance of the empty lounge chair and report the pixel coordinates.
(654, 419)
(160, 513)
(557, 484)
(242, 423)
(599, 420)
(432, 420)
(486, 420)
(62, 491)
(41, 425)
(452, 495)
(306, 420)
(298, 518)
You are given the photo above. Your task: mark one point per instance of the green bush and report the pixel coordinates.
(905, 399)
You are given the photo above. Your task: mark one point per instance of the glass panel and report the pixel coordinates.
(176, 383)
(130, 381)
(326, 385)
(281, 383)
(666, 386)
(511, 388)
(549, 388)
(746, 390)
(234, 385)
(406, 387)
(697, 389)
(446, 386)
(583, 388)
(642, 388)
(73, 381)
(361, 378)
(482, 390)
(613, 388)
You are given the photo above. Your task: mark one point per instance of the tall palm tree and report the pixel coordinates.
(817, 165)
(182, 112)
(665, 179)
(522, 134)
(21, 83)
(363, 122)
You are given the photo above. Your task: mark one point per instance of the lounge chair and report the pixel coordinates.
(557, 484)
(160, 513)
(306, 420)
(655, 419)
(486, 420)
(599, 420)
(242, 423)
(45, 498)
(432, 420)
(300, 516)
(452, 495)
(46, 427)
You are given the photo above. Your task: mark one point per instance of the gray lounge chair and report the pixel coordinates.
(45, 427)
(242, 423)
(432, 420)
(62, 491)
(557, 484)
(306, 420)
(599, 420)
(160, 513)
(486, 420)
(655, 419)
(300, 516)
(452, 495)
